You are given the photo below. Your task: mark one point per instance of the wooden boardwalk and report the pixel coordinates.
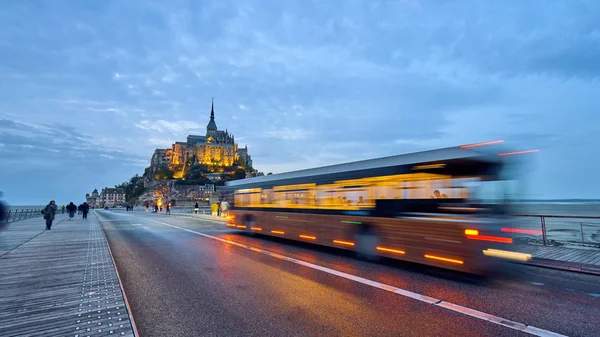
(574, 255)
(60, 282)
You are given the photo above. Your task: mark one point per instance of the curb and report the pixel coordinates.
(131, 319)
(567, 266)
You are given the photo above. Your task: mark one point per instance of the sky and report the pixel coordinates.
(89, 89)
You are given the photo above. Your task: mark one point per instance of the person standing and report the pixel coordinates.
(85, 208)
(62, 208)
(224, 208)
(168, 212)
(214, 209)
(71, 208)
(49, 212)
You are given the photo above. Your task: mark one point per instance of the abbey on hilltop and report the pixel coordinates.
(215, 149)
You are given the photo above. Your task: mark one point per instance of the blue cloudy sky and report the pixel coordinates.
(88, 89)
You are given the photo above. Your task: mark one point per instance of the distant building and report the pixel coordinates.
(112, 197)
(94, 199)
(215, 148)
(243, 157)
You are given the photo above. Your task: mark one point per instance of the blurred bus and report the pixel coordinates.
(446, 207)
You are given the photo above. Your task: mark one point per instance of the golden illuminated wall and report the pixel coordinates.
(215, 154)
(178, 154)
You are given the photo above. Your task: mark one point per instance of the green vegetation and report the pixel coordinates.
(134, 188)
(164, 172)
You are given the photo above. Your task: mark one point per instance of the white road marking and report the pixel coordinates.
(406, 293)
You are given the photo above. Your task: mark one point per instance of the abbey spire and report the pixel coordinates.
(212, 126)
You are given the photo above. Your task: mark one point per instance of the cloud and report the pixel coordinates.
(302, 84)
(288, 134)
(179, 127)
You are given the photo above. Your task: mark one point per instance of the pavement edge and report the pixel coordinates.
(566, 266)
(131, 319)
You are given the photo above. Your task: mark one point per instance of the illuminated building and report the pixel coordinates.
(215, 148)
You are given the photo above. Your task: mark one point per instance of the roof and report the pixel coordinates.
(397, 160)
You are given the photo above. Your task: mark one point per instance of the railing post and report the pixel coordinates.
(582, 238)
(8, 216)
(543, 220)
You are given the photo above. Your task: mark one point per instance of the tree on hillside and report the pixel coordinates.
(197, 175)
(134, 188)
(164, 172)
(239, 174)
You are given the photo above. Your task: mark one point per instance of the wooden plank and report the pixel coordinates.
(60, 282)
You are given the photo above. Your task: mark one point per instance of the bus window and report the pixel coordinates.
(418, 190)
(247, 199)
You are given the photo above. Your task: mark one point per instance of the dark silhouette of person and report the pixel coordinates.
(85, 208)
(49, 213)
(71, 208)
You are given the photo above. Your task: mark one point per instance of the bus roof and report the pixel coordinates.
(403, 159)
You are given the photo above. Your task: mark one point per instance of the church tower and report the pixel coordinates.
(212, 126)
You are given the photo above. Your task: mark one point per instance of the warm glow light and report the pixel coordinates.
(240, 226)
(507, 255)
(471, 232)
(490, 238)
(347, 243)
(294, 187)
(433, 257)
(523, 231)
(230, 225)
(256, 228)
(518, 152)
(310, 237)
(383, 249)
(481, 144)
(430, 166)
(277, 232)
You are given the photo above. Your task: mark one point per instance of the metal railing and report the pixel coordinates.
(557, 230)
(22, 214)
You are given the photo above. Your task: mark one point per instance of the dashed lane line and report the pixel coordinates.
(399, 291)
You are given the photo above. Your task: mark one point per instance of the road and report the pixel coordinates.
(181, 280)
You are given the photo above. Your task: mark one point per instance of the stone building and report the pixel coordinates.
(112, 197)
(215, 148)
(94, 199)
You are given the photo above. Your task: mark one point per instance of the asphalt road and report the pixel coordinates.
(181, 280)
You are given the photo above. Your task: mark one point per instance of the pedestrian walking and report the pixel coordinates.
(62, 208)
(85, 208)
(168, 212)
(49, 212)
(71, 208)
